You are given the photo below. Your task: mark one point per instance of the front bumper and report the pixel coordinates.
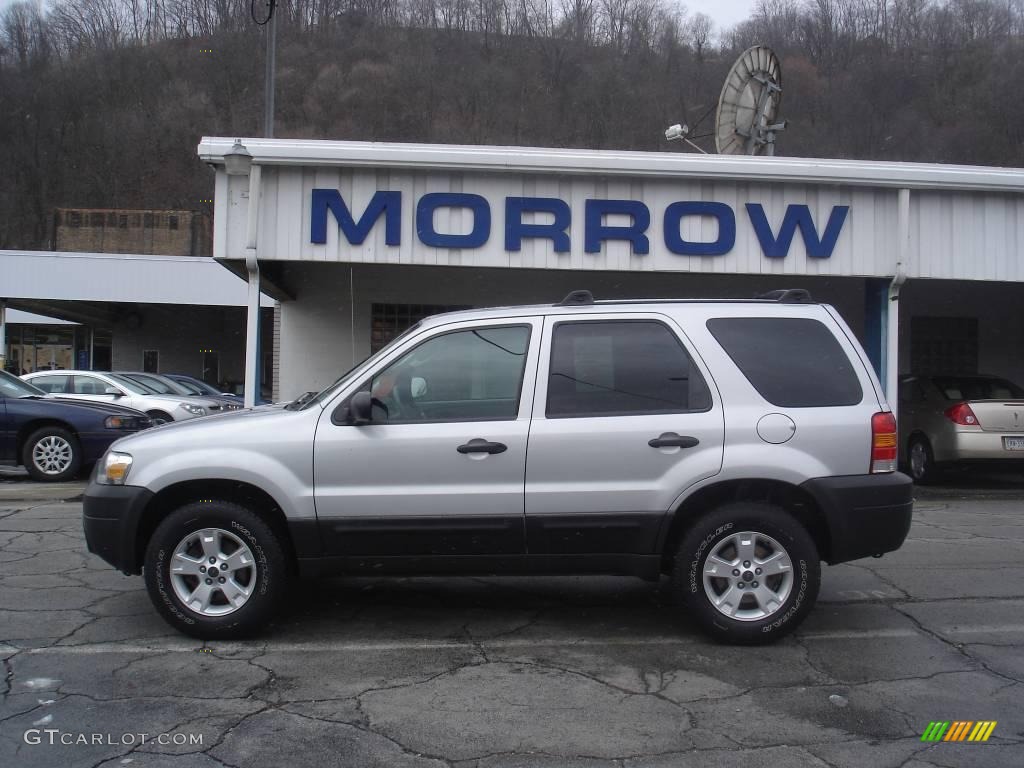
(866, 514)
(110, 516)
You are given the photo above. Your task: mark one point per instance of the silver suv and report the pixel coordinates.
(732, 445)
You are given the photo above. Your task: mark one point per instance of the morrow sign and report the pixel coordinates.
(775, 243)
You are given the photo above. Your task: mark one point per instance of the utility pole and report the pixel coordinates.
(268, 87)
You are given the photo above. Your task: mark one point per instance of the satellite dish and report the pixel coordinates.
(749, 105)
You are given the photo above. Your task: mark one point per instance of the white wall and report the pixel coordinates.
(319, 339)
(179, 333)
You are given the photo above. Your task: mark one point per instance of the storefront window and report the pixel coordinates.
(389, 320)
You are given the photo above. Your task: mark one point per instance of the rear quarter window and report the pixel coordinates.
(792, 362)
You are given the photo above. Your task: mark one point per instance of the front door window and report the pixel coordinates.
(472, 375)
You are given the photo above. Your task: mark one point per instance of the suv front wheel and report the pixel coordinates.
(215, 569)
(747, 572)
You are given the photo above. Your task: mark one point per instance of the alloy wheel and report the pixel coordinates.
(213, 572)
(748, 576)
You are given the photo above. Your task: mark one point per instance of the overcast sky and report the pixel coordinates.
(725, 13)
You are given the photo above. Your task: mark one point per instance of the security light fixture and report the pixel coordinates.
(237, 160)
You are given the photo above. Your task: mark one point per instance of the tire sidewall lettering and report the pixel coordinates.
(699, 555)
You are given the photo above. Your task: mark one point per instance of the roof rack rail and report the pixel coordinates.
(788, 296)
(575, 299)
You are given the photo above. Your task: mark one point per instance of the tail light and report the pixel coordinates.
(961, 414)
(883, 442)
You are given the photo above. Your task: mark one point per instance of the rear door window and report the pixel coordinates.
(621, 368)
(792, 362)
(89, 385)
(55, 385)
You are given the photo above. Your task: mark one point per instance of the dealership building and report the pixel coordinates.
(359, 240)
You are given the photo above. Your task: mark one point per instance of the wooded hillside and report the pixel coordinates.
(102, 102)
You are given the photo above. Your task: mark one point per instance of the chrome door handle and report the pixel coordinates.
(672, 440)
(479, 445)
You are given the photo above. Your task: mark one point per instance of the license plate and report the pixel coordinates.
(1013, 443)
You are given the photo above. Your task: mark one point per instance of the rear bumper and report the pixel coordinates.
(110, 516)
(866, 514)
(976, 446)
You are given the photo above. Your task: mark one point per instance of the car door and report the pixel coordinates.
(440, 469)
(624, 420)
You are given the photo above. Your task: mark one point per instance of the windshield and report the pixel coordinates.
(158, 385)
(326, 394)
(197, 387)
(12, 386)
(978, 388)
(189, 386)
(131, 385)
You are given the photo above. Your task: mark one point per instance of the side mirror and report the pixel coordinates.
(113, 391)
(360, 409)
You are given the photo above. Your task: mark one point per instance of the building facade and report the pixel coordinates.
(104, 230)
(360, 239)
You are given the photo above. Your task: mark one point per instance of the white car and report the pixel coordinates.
(112, 388)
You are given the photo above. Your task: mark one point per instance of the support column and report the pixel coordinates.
(3, 335)
(252, 330)
(891, 378)
(876, 321)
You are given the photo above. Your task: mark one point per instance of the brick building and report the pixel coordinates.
(104, 230)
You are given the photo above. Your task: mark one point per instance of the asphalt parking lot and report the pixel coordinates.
(560, 673)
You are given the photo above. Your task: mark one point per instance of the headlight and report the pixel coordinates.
(114, 468)
(120, 422)
(195, 410)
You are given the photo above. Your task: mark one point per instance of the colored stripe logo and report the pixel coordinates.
(959, 730)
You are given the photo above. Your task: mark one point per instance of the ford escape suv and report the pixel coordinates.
(732, 445)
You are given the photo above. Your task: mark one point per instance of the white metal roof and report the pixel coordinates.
(31, 318)
(127, 278)
(452, 157)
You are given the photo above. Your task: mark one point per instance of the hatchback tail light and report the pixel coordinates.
(961, 414)
(883, 442)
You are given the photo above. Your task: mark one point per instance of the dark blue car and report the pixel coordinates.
(53, 438)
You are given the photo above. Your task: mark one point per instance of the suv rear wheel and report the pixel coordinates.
(748, 572)
(215, 570)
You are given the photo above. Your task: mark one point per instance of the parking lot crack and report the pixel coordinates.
(826, 677)
(368, 728)
(959, 648)
(8, 676)
(884, 579)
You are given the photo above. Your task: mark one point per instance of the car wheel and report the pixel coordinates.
(747, 572)
(216, 570)
(52, 454)
(159, 417)
(921, 461)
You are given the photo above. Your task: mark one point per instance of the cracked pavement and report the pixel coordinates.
(582, 672)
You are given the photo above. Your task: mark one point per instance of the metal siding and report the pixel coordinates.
(128, 278)
(955, 234)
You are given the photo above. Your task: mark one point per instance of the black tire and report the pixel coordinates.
(160, 417)
(927, 472)
(711, 530)
(65, 441)
(270, 570)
